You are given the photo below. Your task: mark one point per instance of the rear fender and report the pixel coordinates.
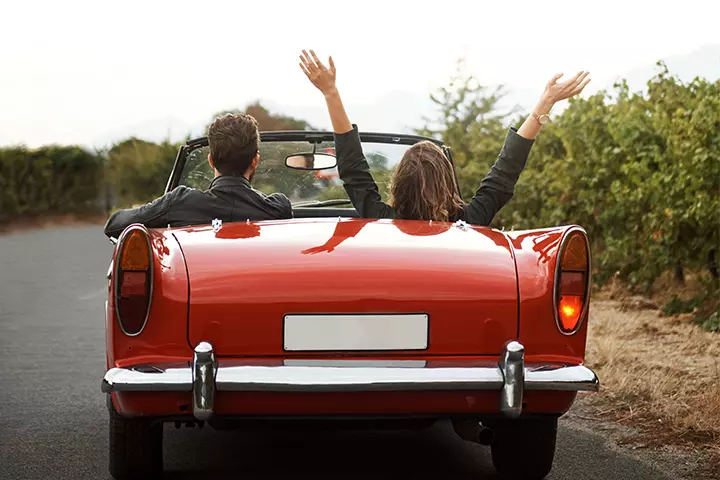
(536, 255)
(164, 337)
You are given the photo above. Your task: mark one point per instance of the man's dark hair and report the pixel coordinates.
(234, 141)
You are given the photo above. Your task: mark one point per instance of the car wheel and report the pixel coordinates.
(135, 447)
(524, 448)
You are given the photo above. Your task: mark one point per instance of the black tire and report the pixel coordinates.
(135, 447)
(524, 448)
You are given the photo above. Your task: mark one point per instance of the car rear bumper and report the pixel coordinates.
(205, 376)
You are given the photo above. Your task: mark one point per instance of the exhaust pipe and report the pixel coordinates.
(472, 431)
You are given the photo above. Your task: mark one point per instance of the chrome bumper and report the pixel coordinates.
(204, 377)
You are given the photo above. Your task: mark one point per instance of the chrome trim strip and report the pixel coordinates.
(136, 380)
(203, 381)
(511, 377)
(348, 379)
(568, 378)
(334, 362)
(512, 366)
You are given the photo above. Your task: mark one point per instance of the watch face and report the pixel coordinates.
(543, 119)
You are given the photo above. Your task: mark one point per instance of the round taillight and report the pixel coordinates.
(133, 279)
(572, 281)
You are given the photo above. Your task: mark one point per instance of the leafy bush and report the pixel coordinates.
(712, 323)
(676, 305)
(639, 171)
(139, 170)
(49, 180)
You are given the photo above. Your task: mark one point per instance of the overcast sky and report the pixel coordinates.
(73, 71)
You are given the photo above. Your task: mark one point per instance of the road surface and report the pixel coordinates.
(53, 419)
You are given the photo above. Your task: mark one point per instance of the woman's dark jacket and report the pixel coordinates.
(495, 191)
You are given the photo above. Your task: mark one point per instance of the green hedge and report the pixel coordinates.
(640, 171)
(138, 171)
(49, 180)
(69, 179)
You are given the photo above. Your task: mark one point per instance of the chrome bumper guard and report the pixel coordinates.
(511, 377)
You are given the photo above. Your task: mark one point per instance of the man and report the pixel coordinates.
(234, 145)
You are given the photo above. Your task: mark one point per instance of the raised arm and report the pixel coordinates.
(353, 168)
(498, 187)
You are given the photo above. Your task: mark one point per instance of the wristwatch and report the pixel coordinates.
(542, 118)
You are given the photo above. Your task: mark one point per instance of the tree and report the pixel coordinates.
(268, 122)
(139, 170)
(640, 171)
(468, 122)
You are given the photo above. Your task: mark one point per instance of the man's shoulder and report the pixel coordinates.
(277, 202)
(181, 190)
(279, 197)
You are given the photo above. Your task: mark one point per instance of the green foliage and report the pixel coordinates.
(269, 122)
(704, 306)
(712, 323)
(49, 180)
(640, 171)
(469, 123)
(676, 305)
(56, 180)
(139, 170)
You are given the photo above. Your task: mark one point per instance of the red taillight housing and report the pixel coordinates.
(572, 281)
(133, 280)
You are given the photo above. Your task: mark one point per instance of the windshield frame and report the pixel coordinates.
(312, 136)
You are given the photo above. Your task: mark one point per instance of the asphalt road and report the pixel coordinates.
(53, 419)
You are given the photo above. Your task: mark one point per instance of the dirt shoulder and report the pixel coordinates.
(660, 388)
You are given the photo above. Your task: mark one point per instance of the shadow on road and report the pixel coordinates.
(433, 453)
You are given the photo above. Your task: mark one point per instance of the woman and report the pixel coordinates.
(423, 185)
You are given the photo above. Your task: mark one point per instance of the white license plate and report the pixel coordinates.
(356, 332)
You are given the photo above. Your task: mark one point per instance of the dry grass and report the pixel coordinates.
(660, 375)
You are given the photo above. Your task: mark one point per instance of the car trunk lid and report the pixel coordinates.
(324, 287)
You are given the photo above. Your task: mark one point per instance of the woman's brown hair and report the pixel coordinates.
(424, 186)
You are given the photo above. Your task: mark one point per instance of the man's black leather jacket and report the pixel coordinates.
(229, 199)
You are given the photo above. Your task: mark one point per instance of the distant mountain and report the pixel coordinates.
(394, 112)
(155, 130)
(401, 112)
(703, 62)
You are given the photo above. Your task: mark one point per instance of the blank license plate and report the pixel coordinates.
(356, 332)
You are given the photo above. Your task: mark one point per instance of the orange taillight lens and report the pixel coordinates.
(572, 287)
(575, 255)
(135, 252)
(570, 308)
(133, 280)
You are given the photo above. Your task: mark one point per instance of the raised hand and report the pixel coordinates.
(556, 91)
(322, 77)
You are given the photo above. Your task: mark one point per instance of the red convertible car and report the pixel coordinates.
(332, 318)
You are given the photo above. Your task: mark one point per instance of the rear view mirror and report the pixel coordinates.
(311, 161)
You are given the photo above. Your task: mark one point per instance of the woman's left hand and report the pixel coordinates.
(556, 91)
